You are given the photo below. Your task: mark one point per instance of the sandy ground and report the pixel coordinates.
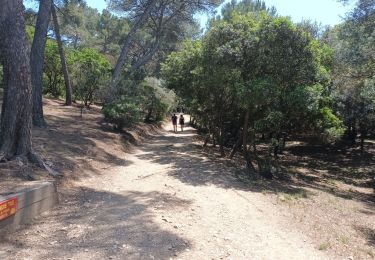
(168, 200)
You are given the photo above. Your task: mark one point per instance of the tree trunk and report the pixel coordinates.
(68, 87)
(222, 139)
(144, 59)
(37, 60)
(363, 136)
(128, 42)
(206, 140)
(16, 114)
(237, 145)
(247, 157)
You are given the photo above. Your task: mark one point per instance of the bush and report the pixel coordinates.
(53, 80)
(90, 73)
(331, 126)
(138, 101)
(157, 101)
(122, 113)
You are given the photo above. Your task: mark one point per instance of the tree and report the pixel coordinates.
(16, 113)
(53, 77)
(254, 74)
(37, 60)
(245, 7)
(90, 72)
(160, 14)
(140, 11)
(68, 86)
(78, 23)
(354, 69)
(111, 33)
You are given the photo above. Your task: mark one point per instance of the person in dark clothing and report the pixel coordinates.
(174, 123)
(182, 122)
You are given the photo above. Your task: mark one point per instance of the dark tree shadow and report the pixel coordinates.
(195, 166)
(71, 142)
(368, 233)
(103, 224)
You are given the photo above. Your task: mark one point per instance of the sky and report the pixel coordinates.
(327, 12)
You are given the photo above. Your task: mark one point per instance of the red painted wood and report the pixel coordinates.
(8, 208)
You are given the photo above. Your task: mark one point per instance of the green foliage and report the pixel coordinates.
(30, 30)
(331, 126)
(90, 74)
(53, 80)
(354, 67)
(122, 113)
(137, 101)
(111, 31)
(261, 64)
(244, 7)
(157, 101)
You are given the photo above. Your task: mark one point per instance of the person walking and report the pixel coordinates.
(182, 122)
(174, 123)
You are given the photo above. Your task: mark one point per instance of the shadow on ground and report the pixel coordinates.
(194, 166)
(72, 141)
(101, 225)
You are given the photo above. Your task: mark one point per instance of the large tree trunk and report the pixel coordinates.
(37, 60)
(16, 114)
(68, 87)
(128, 42)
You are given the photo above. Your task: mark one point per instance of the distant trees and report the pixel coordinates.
(64, 67)
(353, 43)
(245, 7)
(159, 17)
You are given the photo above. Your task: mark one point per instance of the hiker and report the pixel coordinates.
(174, 123)
(182, 122)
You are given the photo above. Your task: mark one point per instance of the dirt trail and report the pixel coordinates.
(168, 201)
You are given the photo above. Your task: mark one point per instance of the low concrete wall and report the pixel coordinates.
(33, 199)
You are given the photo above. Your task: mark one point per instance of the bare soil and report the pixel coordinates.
(169, 199)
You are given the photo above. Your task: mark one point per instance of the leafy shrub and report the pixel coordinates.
(53, 80)
(138, 100)
(332, 127)
(91, 72)
(157, 100)
(122, 113)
